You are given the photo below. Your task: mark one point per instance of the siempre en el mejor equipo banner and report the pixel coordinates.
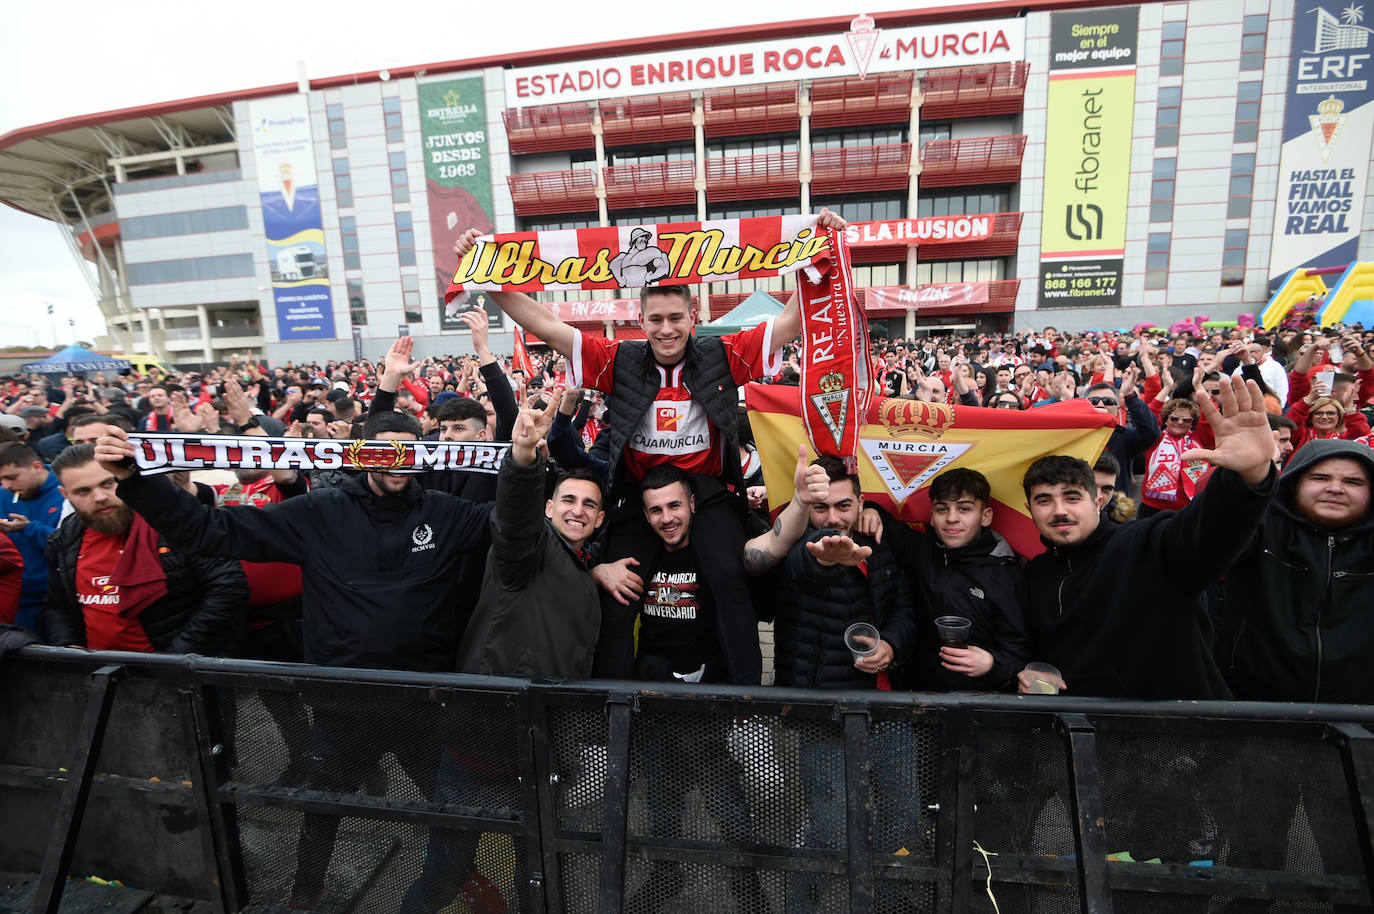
(290, 197)
(453, 131)
(1087, 156)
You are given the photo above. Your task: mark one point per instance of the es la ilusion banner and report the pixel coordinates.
(453, 134)
(1087, 156)
(904, 444)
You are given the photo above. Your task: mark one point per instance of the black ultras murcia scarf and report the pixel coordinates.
(156, 454)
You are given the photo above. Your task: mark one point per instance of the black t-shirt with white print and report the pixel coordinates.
(678, 622)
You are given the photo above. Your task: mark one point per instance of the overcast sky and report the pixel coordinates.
(88, 56)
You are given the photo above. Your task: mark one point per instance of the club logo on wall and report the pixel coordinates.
(862, 38)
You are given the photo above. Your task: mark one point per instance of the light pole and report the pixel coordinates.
(52, 322)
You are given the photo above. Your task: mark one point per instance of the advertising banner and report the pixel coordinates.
(864, 49)
(589, 312)
(290, 197)
(945, 296)
(453, 134)
(926, 230)
(1326, 135)
(1087, 156)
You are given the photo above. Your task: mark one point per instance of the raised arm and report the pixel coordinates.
(787, 324)
(522, 309)
(811, 485)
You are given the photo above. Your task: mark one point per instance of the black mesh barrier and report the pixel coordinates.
(272, 787)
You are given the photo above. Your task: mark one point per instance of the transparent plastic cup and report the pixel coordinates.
(1043, 678)
(861, 639)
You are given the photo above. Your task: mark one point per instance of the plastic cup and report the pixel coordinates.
(1043, 678)
(861, 639)
(953, 630)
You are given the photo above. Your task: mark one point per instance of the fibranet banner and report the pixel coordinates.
(1087, 156)
(864, 49)
(453, 135)
(290, 197)
(1326, 137)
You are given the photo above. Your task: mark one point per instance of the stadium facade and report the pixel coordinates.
(1184, 157)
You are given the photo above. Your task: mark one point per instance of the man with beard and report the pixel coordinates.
(114, 584)
(379, 556)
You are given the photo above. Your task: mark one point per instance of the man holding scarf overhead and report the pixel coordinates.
(673, 400)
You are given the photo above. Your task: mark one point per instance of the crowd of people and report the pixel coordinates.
(627, 534)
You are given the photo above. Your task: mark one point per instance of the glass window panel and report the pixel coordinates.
(1174, 30)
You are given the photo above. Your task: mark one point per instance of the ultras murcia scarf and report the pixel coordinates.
(156, 454)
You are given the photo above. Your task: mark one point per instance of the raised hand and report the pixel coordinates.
(398, 363)
(810, 484)
(240, 408)
(1243, 441)
(838, 549)
(466, 242)
(480, 326)
(114, 451)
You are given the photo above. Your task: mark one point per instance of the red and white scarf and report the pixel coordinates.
(836, 374)
(1165, 473)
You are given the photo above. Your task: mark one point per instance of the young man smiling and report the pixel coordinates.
(1094, 608)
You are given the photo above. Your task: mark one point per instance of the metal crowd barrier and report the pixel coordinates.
(231, 785)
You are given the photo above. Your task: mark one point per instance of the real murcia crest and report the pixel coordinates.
(832, 404)
(1328, 123)
(905, 466)
(863, 38)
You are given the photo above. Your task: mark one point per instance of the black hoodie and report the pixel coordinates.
(1121, 613)
(1298, 607)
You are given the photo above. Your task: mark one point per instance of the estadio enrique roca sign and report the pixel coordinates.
(864, 49)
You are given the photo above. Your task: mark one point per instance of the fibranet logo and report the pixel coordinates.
(270, 123)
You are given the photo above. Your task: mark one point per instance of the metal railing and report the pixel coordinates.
(255, 786)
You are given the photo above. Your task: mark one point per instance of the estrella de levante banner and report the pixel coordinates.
(1087, 156)
(904, 444)
(290, 196)
(453, 133)
(1327, 127)
(634, 256)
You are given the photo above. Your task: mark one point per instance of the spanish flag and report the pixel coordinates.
(904, 444)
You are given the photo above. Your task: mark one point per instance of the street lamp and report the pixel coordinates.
(52, 322)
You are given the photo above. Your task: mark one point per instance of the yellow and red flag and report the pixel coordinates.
(904, 444)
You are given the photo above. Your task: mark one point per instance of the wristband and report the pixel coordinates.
(251, 423)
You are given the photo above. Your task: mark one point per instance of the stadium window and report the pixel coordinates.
(971, 204)
(1162, 190)
(400, 187)
(410, 297)
(338, 138)
(1252, 42)
(1242, 185)
(357, 304)
(1167, 114)
(1233, 257)
(405, 239)
(1157, 261)
(960, 271)
(1248, 112)
(343, 182)
(391, 114)
(1171, 49)
(348, 227)
(928, 132)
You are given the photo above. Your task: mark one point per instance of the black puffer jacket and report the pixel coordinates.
(817, 603)
(1296, 613)
(201, 613)
(981, 582)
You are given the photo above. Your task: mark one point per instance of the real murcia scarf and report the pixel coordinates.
(633, 256)
(155, 454)
(836, 375)
(1165, 473)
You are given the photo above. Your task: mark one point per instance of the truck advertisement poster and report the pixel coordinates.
(290, 196)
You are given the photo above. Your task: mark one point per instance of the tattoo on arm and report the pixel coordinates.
(758, 560)
(777, 526)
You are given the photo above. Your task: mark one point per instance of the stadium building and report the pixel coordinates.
(1015, 165)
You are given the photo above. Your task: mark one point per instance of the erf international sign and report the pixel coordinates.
(290, 196)
(1326, 136)
(862, 50)
(1087, 156)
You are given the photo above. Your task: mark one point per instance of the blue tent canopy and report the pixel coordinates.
(751, 312)
(75, 360)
